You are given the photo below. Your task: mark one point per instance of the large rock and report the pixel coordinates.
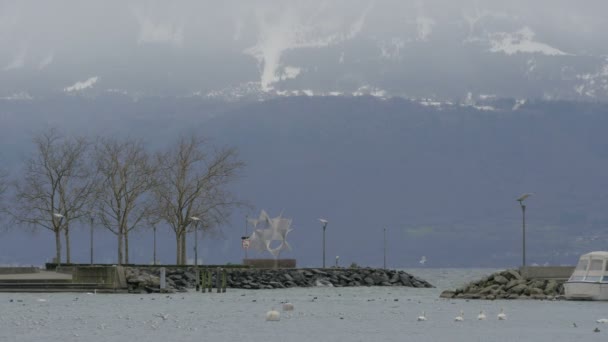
(514, 274)
(518, 289)
(551, 287)
(500, 279)
(489, 290)
(511, 284)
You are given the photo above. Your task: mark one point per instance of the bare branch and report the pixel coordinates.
(56, 187)
(127, 175)
(192, 180)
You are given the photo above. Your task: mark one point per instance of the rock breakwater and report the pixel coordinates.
(148, 279)
(508, 284)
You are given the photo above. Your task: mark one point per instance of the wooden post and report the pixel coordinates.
(198, 279)
(224, 281)
(210, 281)
(202, 280)
(218, 280)
(163, 279)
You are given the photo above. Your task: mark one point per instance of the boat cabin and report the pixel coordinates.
(591, 267)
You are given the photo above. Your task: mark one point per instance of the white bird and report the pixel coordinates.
(287, 306)
(602, 320)
(481, 316)
(502, 315)
(422, 260)
(273, 315)
(422, 317)
(41, 300)
(459, 318)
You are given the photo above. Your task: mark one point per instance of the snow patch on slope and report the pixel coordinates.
(78, 86)
(20, 96)
(521, 41)
(281, 30)
(592, 83)
(391, 49)
(424, 28)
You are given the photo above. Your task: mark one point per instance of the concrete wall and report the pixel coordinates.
(110, 276)
(19, 270)
(546, 272)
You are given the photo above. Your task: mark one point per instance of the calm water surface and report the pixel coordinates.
(336, 314)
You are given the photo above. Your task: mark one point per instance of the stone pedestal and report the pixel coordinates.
(270, 263)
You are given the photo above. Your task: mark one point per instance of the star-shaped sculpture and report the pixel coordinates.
(267, 230)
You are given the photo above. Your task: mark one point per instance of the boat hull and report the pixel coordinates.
(582, 290)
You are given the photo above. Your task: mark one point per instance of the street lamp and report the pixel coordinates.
(196, 221)
(324, 223)
(521, 200)
(60, 217)
(91, 243)
(154, 229)
(385, 248)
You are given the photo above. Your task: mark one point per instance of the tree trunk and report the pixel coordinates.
(120, 237)
(178, 238)
(126, 247)
(68, 258)
(57, 246)
(184, 249)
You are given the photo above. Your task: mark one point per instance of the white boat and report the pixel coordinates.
(589, 281)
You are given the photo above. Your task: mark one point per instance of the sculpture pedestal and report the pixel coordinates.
(270, 263)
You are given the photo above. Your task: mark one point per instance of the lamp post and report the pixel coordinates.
(324, 223)
(154, 256)
(92, 221)
(196, 221)
(523, 226)
(385, 248)
(60, 217)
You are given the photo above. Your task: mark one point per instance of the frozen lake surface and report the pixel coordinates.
(337, 314)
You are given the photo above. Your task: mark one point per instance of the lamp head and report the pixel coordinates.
(324, 221)
(523, 197)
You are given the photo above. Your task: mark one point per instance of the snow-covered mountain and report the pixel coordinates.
(436, 50)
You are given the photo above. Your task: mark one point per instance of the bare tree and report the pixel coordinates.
(127, 175)
(56, 187)
(193, 179)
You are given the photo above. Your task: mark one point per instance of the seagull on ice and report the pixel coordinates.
(460, 317)
(602, 320)
(287, 306)
(502, 315)
(422, 260)
(481, 316)
(422, 317)
(273, 315)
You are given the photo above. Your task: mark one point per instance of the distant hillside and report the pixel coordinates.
(442, 180)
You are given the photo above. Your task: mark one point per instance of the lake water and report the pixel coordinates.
(337, 314)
